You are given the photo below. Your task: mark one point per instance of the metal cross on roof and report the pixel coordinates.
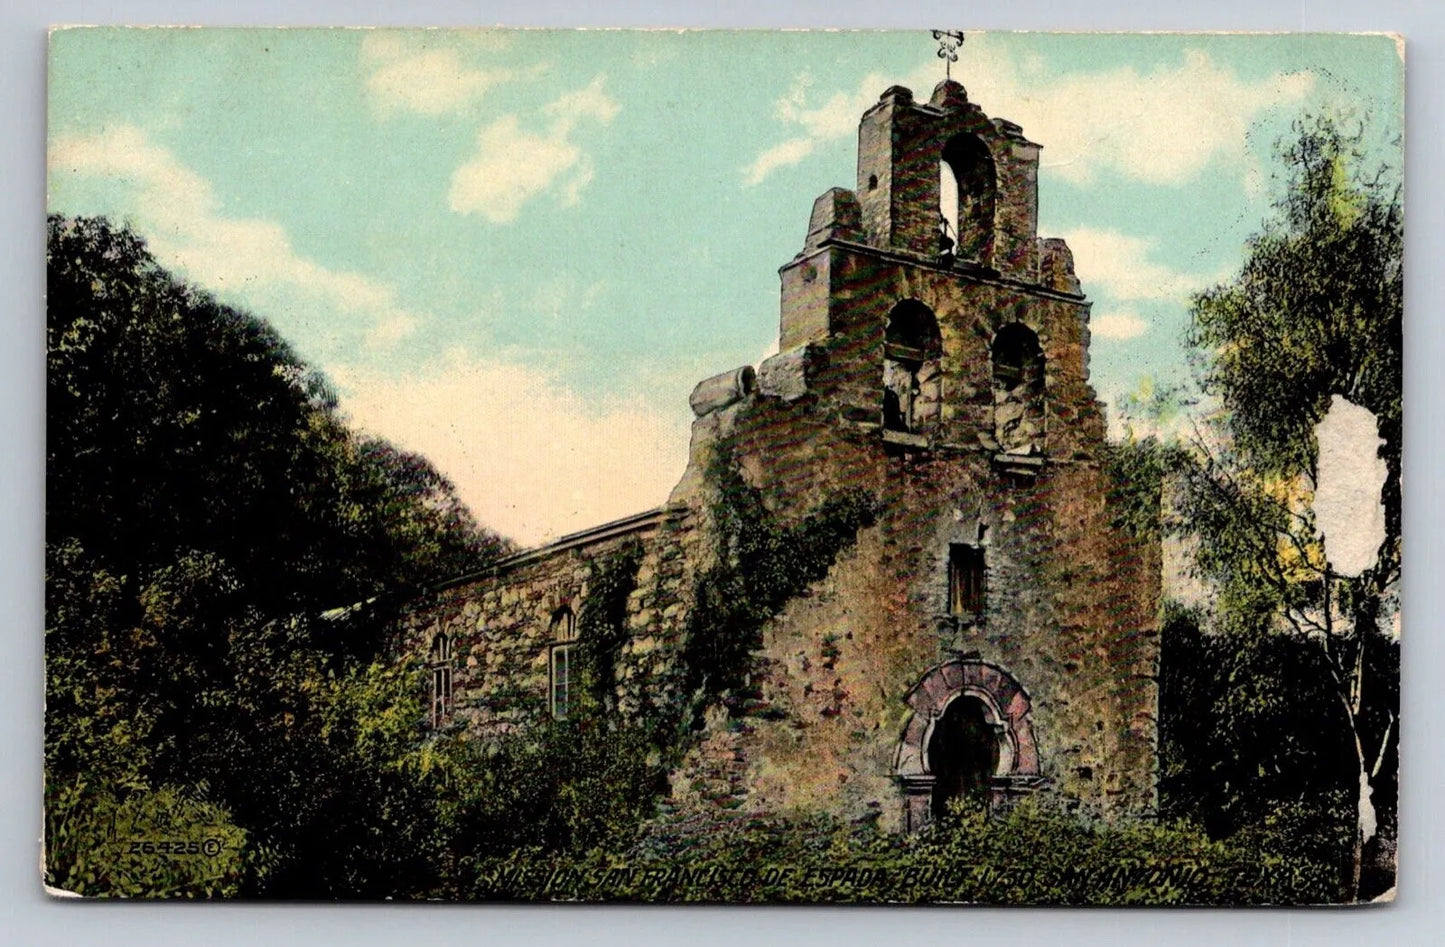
(948, 43)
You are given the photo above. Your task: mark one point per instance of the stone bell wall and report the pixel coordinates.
(854, 674)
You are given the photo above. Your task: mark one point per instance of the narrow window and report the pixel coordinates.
(965, 581)
(564, 638)
(441, 679)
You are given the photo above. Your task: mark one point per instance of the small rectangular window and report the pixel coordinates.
(965, 580)
(561, 680)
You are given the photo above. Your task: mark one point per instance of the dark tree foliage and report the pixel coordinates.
(1137, 468)
(1239, 727)
(1247, 748)
(178, 424)
(221, 553)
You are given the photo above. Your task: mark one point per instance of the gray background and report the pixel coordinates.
(28, 917)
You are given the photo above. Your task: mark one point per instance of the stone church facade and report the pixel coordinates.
(991, 631)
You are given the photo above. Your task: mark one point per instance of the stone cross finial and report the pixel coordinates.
(948, 43)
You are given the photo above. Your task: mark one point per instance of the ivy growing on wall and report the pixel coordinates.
(761, 565)
(602, 630)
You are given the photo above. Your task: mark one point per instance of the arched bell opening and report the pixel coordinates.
(967, 186)
(912, 386)
(1018, 390)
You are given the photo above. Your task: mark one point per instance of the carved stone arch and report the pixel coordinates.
(562, 622)
(1006, 708)
(557, 599)
(433, 633)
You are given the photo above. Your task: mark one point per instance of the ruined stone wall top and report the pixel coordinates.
(900, 144)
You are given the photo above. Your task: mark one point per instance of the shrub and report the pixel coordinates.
(1031, 855)
(169, 842)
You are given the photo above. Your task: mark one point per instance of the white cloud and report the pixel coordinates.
(432, 81)
(531, 458)
(510, 168)
(588, 102)
(1161, 126)
(781, 155)
(1118, 264)
(838, 116)
(835, 118)
(1118, 325)
(391, 330)
(178, 211)
(513, 165)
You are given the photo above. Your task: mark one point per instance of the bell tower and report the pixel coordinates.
(996, 623)
(947, 320)
(944, 169)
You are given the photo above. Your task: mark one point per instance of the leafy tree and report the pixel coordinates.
(221, 556)
(177, 423)
(1241, 746)
(1316, 312)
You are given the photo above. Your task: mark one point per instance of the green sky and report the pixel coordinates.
(516, 252)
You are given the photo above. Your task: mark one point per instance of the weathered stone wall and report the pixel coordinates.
(1070, 616)
(500, 625)
(970, 310)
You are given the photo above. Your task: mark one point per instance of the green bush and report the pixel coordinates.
(168, 843)
(1031, 855)
(566, 787)
(1253, 745)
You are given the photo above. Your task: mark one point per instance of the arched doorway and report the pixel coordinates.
(963, 753)
(970, 732)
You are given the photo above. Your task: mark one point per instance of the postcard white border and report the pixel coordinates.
(28, 917)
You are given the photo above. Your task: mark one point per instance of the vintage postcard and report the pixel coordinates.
(889, 467)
